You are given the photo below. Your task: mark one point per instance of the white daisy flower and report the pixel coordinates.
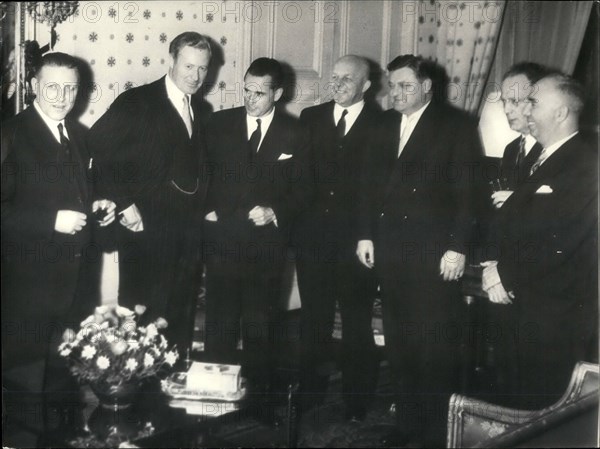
(148, 360)
(88, 352)
(131, 364)
(103, 362)
(171, 357)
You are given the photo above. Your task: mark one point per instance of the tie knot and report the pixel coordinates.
(258, 122)
(60, 129)
(344, 113)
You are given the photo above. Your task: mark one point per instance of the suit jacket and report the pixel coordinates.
(41, 266)
(418, 205)
(141, 143)
(508, 166)
(548, 228)
(276, 177)
(335, 169)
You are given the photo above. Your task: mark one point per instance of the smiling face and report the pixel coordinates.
(407, 93)
(349, 82)
(543, 112)
(189, 68)
(56, 90)
(259, 95)
(515, 92)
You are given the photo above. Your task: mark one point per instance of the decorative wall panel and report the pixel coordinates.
(126, 44)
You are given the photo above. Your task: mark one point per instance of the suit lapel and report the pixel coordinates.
(270, 148)
(80, 157)
(415, 149)
(543, 175)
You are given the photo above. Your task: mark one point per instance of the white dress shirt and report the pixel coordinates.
(265, 122)
(51, 123)
(176, 97)
(548, 151)
(351, 116)
(408, 125)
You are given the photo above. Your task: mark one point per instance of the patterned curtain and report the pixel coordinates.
(462, 37)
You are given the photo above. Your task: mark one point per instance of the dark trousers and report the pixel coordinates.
(324, 280)
(424, 326)
(241, 303)
(553, 335)
(160, 267)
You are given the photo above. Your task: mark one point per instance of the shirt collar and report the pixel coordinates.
(415, 116)
(265, 122)
(529, 142)
(353, 113)
(176, 95)
(51, 123)
(556, 145)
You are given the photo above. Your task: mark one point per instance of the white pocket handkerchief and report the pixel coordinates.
(544, 189)
(284, 156)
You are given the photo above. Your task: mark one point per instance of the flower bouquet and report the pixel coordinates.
(112, 352)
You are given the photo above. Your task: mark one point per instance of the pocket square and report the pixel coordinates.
(544, 189)
(284, 156)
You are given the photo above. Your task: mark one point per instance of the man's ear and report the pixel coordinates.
(366, 86)
(278, 93)
(171, 62)
(427, 85)
(561, 113)
(35, 85)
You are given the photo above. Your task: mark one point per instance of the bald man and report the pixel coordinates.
(326, 235)
(547, 268)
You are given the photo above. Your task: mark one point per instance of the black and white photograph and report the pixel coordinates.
(324, 223)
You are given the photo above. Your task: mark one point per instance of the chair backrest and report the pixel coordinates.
(476, 423)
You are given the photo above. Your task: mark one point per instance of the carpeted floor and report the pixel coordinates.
(324, 426)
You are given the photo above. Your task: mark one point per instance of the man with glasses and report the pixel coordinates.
(258, 156)
(547, 268)
(519, 155)
(148, 150)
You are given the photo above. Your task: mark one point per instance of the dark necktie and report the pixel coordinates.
(530, 159)
(521, 153)
(542, 157)
(255, 139)
(64, 142)
(66, 155)
(341, 125)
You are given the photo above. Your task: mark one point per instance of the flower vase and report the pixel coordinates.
(113, 426)
(116, 396)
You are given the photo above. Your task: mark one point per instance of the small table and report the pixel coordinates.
(156, 420)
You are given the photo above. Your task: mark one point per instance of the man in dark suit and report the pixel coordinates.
(148, 150)
(258, 158)
(46, 231)
(520, 154)
(326, 234)
(547, 266)
(416, 222)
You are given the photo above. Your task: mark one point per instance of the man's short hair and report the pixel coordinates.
(570, 88)
(533, 71)
(56, 59)
(423, 68)
(189, 39)
(267, 66)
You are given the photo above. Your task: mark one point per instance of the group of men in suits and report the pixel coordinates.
(543, 275)
(364, 198)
